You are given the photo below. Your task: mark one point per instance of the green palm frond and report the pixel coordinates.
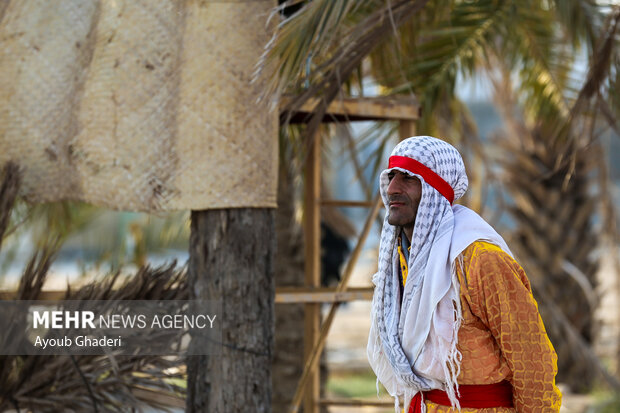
(543, 63)
(433, 52)
(305, 39)
(391, 58)
(458, 44)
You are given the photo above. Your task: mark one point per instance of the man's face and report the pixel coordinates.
(404, 192)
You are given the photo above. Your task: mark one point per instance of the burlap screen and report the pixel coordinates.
(140, 105)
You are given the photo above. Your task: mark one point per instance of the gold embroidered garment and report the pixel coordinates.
(502, 336)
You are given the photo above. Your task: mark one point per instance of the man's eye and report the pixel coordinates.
(390, 176)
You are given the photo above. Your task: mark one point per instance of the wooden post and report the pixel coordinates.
(312, 237)
(406, 129)
(312, 362)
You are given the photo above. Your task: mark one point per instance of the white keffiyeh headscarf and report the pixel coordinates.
(413, 347)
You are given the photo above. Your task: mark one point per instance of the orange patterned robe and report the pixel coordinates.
(502, 336)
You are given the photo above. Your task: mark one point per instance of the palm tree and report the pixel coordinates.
(232, 249)
(553, 203)
(426, 48)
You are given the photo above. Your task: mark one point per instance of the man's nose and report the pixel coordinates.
(394, 186)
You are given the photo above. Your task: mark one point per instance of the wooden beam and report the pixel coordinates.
(321, 295)
(312, 264)
(353, 109)
(284, 295)
(357, 402)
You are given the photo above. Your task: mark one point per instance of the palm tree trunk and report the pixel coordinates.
(556, 237)
(552, 175)
(231, 260)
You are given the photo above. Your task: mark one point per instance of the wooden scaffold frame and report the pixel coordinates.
(406, 111)
(312, 295)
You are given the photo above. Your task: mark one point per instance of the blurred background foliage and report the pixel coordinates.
(93, 238)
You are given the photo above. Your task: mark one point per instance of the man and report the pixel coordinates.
(454, 323)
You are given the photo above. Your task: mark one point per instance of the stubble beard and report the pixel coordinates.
(401, 220)
(406, 221)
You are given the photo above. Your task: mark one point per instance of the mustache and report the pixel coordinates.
(397, 198)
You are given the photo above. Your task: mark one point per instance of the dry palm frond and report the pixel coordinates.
(605, 56)
(578, 19)
(8, 195)
(576, 340)
(602, 58)
(53, 383)
(94, 382)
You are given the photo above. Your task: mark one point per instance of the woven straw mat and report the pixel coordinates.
(137, 105)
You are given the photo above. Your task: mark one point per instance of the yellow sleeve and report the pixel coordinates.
(501, 297)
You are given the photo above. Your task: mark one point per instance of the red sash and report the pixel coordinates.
(476, 396)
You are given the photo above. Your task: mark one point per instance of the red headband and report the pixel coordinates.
(430, 177)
